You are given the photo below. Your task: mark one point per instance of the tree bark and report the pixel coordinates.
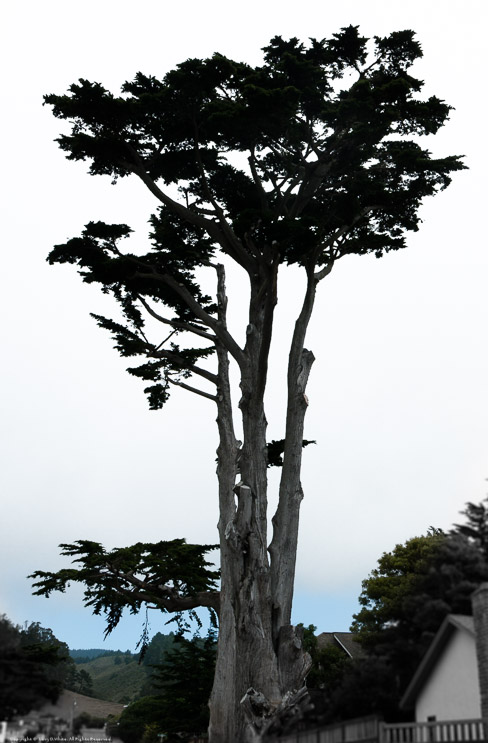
(246, 655)
(223, 701)
(258, 662)
(283, 548)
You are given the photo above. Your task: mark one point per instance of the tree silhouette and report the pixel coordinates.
(311, 156)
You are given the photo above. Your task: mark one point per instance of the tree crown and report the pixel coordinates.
(308, 157)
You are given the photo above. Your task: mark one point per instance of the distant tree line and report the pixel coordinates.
(85, 656)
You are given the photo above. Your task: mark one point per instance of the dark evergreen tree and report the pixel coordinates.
(476, 527)
(33, 667)
(158, 647)
(185, 679)
(80, 681)
(306, 158)
(132, 723)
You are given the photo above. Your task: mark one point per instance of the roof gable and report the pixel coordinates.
(451, 624)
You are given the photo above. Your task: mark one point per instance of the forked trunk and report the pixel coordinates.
(260, 662)
(254, 672)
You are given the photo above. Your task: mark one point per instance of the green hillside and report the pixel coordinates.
(117, 678)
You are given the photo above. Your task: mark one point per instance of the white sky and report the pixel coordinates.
(398, 393)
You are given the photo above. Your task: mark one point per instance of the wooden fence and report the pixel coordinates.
(362, 730)
(452, 731)
(373, 730)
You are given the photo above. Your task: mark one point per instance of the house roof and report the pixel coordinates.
(450, 624)
(346, 641)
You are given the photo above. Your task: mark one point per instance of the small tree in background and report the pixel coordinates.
(309, 157)
(80, 681)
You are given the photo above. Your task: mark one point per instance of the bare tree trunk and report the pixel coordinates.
(260, 659)
(223, 701)
(283, 548)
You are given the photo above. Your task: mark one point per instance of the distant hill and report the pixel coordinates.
(85, 655)
(69, 701)
(119, 676)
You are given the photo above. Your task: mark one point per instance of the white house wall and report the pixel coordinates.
(452, 689)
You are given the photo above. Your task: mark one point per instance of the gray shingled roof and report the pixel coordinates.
(346, 641)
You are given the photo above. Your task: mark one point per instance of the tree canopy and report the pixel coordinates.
(274, 164)
(408, 595)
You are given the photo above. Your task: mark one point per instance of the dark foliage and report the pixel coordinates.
(169, 575)
(80, 681)
(276, 450)
(87, 720)
(33, 667)
(327, 171)
(185, 678)
(136, 717)
(328, 662)
(476, 527)
(85, 656)
(180, 706)
(159, 646)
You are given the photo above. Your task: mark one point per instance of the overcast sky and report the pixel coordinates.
(398, 393)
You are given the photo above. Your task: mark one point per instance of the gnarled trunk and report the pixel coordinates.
(260, 661)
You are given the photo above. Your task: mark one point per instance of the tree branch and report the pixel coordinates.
(325, 271)
(180, 361)
(176, 324)
(229, 243)
(317, 172)
(245, 260)
(220, 330)
(194, 390)
(172, 602)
